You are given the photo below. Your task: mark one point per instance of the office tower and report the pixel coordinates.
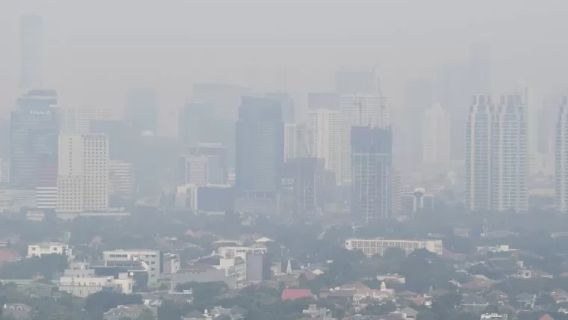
(83, 181)
(436, 136)
(259, 145)
(201, 122)
(417, 99)
(496, 155)
(304, 181)
(31, 37)
(371, 189)
(4, 171)
(326, 130)
(74, 120)
(359, 110)
(561, 159)
(286, 103)
(291, 141)
(204, 164)
(121, 180)
(33, 140)
(142, 111)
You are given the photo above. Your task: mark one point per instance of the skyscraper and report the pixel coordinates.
(259, 145)
(359, 110)
(31, 37)
(205, 164)
(83, 180)
(561, 159)
(497, 155)
(326, 129)
(142, 111)
(33, 140)
(371, 189)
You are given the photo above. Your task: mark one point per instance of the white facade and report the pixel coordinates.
(121, 178)
(47, 248)
(80, 281)
(561, 161)
(436, 136)
(326, 128)
(497, 155)
(83, 173)
(79, 120)
(371, 247)
(151, 260)
(46, 197)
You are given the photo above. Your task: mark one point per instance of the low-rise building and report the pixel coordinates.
(372, 247)
(151, 260)
(81, 281)
(47, 248)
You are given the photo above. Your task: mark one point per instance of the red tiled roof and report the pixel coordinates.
(294, 294)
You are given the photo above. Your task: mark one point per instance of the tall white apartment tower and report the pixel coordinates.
(478, 154)
(83, 176)
(510, 153)
(497, 155)
(561, 158)
(326, 128)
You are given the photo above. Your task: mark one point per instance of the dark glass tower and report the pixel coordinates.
(371, 164)
(259, 145)
(33, 140)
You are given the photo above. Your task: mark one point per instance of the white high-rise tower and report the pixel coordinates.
(83, 176)
(497, 155)
(561, 159)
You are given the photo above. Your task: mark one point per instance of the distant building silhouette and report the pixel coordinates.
(371, 189)
(259, 145)
(33, 140)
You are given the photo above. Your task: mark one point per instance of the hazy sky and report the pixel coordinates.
(97, 50)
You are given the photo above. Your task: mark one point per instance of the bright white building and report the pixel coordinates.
(80, 281)
(326, 132)
(83, 173)
(48, 248)
(151, 260)
(79, 120)
(121, 178)
(561, 161)
(372, 247)
(497, 155)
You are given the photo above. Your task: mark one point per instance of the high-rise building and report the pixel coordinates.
(142, 111)
(496, 155)
(359, 110)
(121, 179)
(259, 145)
(326, 130)
(304, 180)
(291, 141)
(371, 189)
(33, 140)
(479, 154)
(561, 161)
(83, 180)
(31, 37)
(204, 164)
(436, 136)
(80, 120)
